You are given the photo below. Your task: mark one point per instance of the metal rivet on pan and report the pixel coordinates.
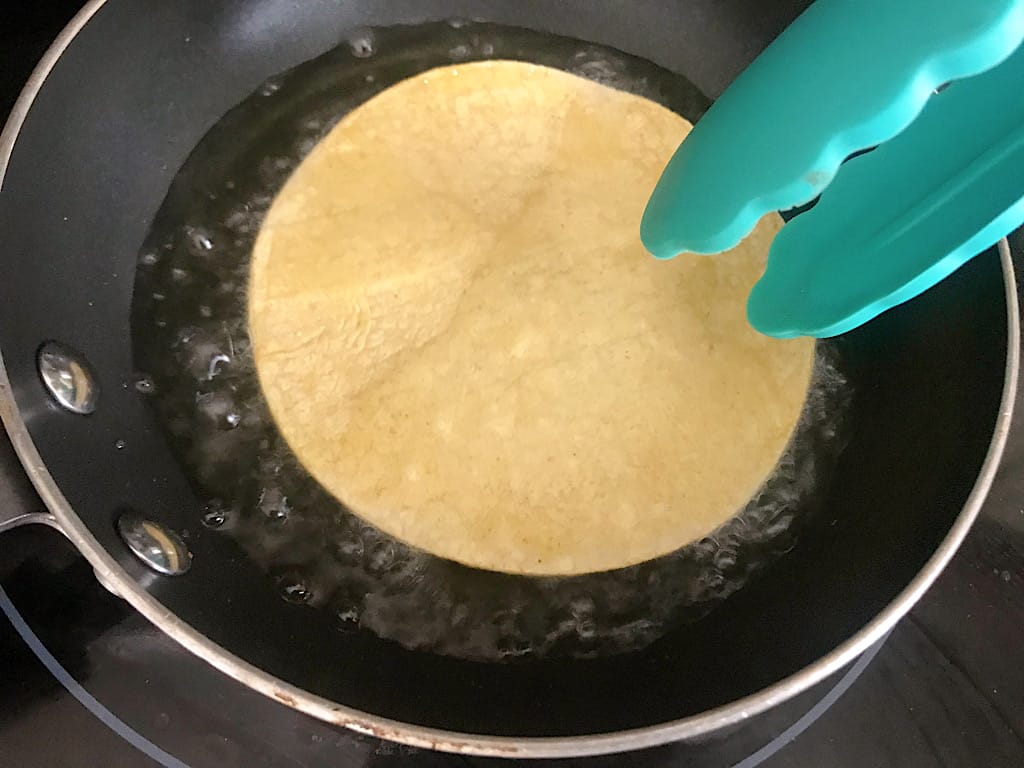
(158, 547)
(68, 378)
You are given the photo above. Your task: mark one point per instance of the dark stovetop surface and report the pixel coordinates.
(945, 689)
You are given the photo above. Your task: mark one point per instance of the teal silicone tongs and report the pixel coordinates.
(946, 182)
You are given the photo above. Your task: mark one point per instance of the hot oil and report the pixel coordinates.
(191, 337)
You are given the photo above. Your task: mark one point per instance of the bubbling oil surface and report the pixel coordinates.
(192, 344)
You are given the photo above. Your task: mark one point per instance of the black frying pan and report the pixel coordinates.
(111, 116)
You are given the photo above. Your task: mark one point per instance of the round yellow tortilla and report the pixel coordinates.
(461, 337)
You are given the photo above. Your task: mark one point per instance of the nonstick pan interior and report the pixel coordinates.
(192, 343)
(90, 168)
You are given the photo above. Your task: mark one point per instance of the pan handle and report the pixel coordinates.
(19, 503)
(12, 518)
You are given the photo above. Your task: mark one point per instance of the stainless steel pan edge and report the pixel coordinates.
(118, 581)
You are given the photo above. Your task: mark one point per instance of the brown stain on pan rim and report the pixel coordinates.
(438, 744)
(285, 698)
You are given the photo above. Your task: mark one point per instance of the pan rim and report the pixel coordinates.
(115, 578)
